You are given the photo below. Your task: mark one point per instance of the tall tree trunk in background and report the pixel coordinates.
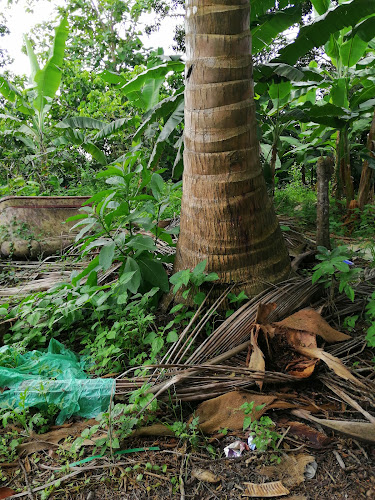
(226, 215)
(344, 181)
(367, 172)
(324, 170)
(273, 167)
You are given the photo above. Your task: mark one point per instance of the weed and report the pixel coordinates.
(370, 315)
(262, 430)
(187, 432)
(335, 269)
(8, 445)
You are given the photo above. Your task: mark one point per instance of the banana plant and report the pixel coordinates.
(143, 92)
(348, 101)
(86, 133)
(35, 102)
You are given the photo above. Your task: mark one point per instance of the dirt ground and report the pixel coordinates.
(345, 469)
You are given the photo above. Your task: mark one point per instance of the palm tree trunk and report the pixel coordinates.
(367, 172)
(226, 215)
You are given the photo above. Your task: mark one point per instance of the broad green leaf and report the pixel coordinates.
(93, 266)
(199, 298)
(106, 255)
(172, 336)
(150, 92)
(279, 90)
(157, 186)
(339, 94)
(325, 114)
(156, 345)
(161, 110)
(180, 278)
(8, 90)
(114, 78)
(199, 268)
(140, 242)
(111, 128)
(126, 277)
(321, 6)
(170, 126)
(155, 72)
(260, 7)
(154, 273)
(317, 33)
(362, 96)
(123, 298)
(273, 24)
(352, 50)
(82, 122)
(95, 152)
(132, 266)
(32, 58)
(364, 30)
(48, 79)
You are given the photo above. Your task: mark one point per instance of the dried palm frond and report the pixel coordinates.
(203, 375)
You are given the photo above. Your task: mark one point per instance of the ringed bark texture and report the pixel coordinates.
(226, 216)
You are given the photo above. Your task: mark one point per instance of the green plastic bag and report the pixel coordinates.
(53, 377)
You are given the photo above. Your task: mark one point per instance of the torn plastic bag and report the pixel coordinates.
(53, 377)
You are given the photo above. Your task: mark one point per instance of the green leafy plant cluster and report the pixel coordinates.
(119, 422)
(262, 430)
(8, 446)
(335, 270)
(370, 315)
(121, 224)
(30, 419)
(187, 432)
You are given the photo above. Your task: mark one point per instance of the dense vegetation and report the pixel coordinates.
(100, 115)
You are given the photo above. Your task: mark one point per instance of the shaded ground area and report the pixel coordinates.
(102, 480)
(345, 466)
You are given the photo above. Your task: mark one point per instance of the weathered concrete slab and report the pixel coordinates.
(31, 226)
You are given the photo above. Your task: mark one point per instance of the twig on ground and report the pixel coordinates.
(339, 459)
(181, 479)
(30, 495)
(47, 485)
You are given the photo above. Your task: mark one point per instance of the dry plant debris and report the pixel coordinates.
(204, 475)
(290, 470)
(265, 490)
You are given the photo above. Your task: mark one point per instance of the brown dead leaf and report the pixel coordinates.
(331, 361)
(296, 497)
(301, 368)
(290, 470)
(263, 312)
(205, 475)
(265, 490)
(300, 338)
(224, 411)
(154, 430)
(316, 439)
(27, 464)
(309, 320)
(256, 358)
(363, 431)
(6, 492)
(52, 439)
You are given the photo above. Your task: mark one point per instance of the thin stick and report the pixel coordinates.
(30, 495)
(47, 485)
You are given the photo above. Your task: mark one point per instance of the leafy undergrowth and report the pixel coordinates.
(117, 326)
